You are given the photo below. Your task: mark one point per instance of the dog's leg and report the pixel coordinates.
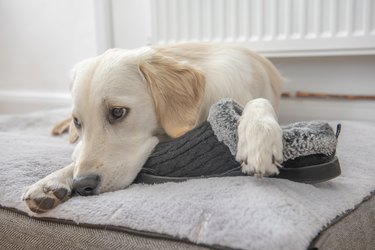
(259, 139)
(50, 191)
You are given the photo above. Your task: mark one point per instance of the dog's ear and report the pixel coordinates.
(177, 89)
(65, 126)
(73, 133)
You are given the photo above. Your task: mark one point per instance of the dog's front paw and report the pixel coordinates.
(46, 194)
(259, 146)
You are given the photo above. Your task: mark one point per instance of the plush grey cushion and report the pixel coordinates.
(234, 212)
(354, 230)
(19, 231)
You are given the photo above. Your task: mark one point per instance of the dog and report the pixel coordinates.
(126, 101)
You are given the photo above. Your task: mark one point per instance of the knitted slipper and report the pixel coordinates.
(209, 151)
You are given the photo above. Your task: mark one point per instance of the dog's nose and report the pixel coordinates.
(86, 185)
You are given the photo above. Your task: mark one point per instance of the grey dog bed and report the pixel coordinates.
(240, 212)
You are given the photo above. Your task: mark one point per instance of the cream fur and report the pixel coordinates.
(177, 88)
(167, 90)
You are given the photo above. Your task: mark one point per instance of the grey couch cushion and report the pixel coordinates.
(355, 230)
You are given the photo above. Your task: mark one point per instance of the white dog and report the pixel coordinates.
(126, 101)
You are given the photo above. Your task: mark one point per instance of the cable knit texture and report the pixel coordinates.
(209, 150)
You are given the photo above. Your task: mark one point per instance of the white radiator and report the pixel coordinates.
(274, 27)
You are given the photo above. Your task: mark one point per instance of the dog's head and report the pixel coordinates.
(123, 101)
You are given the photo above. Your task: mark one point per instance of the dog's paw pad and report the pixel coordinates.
(61, 193)
(44, 203)
(41, 205)
(41, 198)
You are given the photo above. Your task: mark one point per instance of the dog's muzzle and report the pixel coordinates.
(86, 185)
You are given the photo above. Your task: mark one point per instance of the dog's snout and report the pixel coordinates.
(86, 185)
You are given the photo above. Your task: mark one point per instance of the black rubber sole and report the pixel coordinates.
(307, 174)
(312, 174)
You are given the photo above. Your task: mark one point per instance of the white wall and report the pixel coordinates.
(131, 22)
(346, 75)
(322, 46)
(40, 40)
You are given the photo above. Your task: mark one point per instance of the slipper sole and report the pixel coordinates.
(307, 174)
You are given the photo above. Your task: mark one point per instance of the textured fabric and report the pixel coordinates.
(299, 139)
(197, 153)
(22, 232)
(209, 149)
(354, 231)
(308, 138)
(223, 117)
(236, 212)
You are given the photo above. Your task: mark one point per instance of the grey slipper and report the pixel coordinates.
(209, 151)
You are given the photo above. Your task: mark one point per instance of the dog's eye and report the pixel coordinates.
(77, 123)
(117, 113)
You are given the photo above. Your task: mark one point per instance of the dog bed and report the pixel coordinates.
(224, 213)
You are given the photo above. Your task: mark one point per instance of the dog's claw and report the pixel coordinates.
(275, 162)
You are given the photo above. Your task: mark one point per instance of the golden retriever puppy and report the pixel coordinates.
(126, 101)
